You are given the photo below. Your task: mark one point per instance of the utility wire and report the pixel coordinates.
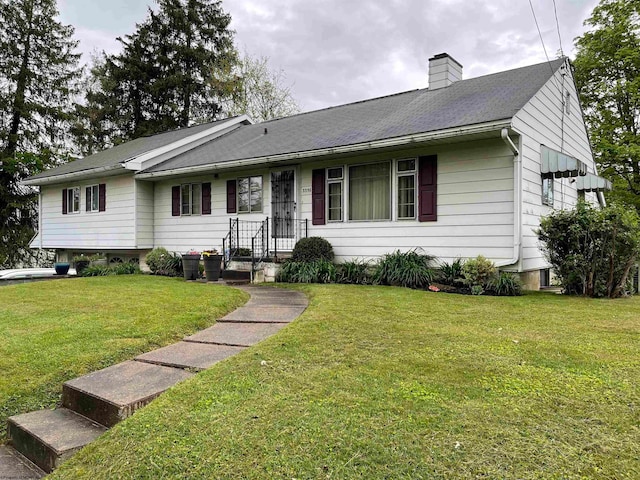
(555, 11)
(544, 48)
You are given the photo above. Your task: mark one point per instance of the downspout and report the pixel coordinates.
(40, 231)
(517, 200)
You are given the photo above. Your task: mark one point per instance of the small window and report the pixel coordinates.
(191, 199)
(335, 192)
(547, 191)
(406, 189)
(73, 200)
(93, 198)
(250, 194)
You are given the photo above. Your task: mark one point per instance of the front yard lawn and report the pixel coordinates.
(57, 330)
(381, 382)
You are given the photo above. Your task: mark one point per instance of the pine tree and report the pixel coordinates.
(38, 68)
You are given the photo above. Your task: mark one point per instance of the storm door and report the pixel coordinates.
(283, 204)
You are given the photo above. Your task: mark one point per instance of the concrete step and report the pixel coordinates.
(237, 334)
(115, 393)
(236, 275)
(196, 356)
(49, 437)
(15, 466)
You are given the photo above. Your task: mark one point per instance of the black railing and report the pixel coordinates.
(262, 239)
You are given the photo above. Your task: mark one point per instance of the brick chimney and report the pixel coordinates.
(443, 71)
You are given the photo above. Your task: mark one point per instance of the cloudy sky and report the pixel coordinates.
(339, 51)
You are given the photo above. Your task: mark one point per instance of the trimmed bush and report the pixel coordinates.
(592, 251)
(451, 273)
(505, 284)
(311, 249)
(355, 272)
(161, 262)
(478, 272)
(105, 270)
(319, 271)
(408, 269)
(156, 257)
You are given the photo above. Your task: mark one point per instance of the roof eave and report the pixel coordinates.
(405, 140)
(91, 172)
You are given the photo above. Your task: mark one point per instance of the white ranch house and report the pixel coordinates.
(459, 169)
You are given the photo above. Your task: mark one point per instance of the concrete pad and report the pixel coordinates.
(264, 314)
(14, 466)
(198, 356)
(238, 334)
(277, 301)
(48, 437)
(114, 393)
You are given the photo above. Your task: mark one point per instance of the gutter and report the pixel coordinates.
(359, 147)
(517, 200)
(71, 176)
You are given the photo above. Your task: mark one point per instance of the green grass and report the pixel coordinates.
(381, 382)
(57, 330)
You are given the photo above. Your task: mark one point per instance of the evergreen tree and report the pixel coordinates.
(37, 73)
(608, 76)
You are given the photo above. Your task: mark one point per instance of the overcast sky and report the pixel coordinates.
(339, 51)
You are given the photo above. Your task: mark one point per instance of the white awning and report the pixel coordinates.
(559, 165)
(592, 183)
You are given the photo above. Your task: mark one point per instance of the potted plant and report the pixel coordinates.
(62, 268)
(81, 262)
(212, 264)
(190, 264)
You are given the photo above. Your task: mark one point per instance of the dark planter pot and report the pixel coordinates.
(61, 268)
(212, 267)
(81, 265)
(190, 266)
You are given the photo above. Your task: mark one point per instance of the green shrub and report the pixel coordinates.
(505, 284)
(312, 249)
(451, 273)
(105, 270)
(592, 251)
(319, 271)
(161, 262)
(355, 272)
(408, 269)
(478, 272)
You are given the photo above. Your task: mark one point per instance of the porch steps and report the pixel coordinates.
(40, 441)
(237, 276)
(49, 437)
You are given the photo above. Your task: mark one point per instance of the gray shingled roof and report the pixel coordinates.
(114, 156)
(466, 102)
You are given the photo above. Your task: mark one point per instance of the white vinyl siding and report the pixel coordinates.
(144, 214)
(541, 122)
(112, 229)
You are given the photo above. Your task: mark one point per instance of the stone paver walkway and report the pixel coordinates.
(99, 400)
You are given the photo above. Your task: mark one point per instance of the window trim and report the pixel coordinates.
(190, 212)
(348, 191)
(406, 173)
(238, 204)
(86, 189)
(332, 181)
(70, 209)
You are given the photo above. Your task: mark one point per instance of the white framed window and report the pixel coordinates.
(73, 200)
(406, 188)
(547, 191)
(370, 191)
(250, 194)
(191, 199)
(335, 194)
(92, 194)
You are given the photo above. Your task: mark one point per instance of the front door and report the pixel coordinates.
(283, 204)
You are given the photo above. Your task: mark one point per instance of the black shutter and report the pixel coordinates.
(231, 196)
(318, 197)
(102, 197)
(427, 189)
(87, 199)
(175, 201)
(64, 201)
(206, 198)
